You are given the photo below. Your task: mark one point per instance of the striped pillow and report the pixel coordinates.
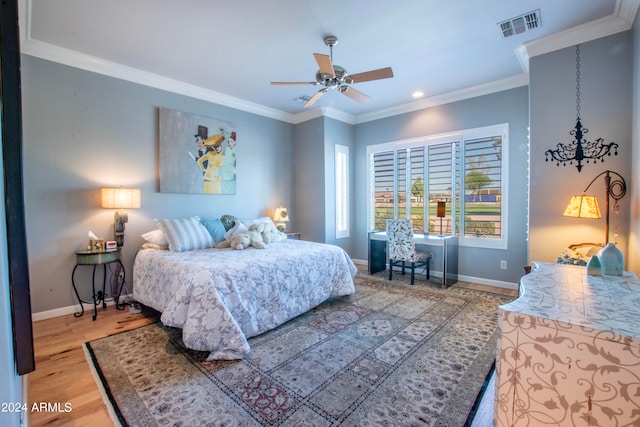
(185, 234)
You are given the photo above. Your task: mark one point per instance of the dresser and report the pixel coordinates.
(569, 350)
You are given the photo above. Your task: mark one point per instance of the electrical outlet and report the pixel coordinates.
(503, 265)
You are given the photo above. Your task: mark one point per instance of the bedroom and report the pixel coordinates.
(74, 116)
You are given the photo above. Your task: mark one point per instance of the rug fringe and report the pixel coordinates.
(106, 399)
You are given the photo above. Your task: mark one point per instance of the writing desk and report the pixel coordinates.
(445, 256)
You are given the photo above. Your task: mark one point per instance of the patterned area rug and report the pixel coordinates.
(392, 354)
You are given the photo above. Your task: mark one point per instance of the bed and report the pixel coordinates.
(222, 297)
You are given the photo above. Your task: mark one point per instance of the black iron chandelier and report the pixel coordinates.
(580, 149)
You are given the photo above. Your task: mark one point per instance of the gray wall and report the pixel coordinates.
(83, 131)
(633, 263)
(606, 110)
(504, 107)
(309, 164)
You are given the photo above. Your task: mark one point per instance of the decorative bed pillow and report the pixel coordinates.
(185, 234)
(156, 237)
(215, 228)
(228, 221)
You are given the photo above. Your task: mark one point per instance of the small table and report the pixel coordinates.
(95, 259)
(293, 235)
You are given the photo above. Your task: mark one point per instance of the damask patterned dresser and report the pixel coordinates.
(569, 350)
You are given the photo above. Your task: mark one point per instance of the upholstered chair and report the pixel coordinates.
(402, 248)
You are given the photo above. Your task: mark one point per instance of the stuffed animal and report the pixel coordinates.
(243, 241)
(268, 231)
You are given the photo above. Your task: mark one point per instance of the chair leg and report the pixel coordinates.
(413, 271)
(428, 265)
(390, 269)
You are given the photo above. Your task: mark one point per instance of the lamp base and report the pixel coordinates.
(120, 219)
(282, 226)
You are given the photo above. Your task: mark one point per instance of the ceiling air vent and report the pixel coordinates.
(520, 24)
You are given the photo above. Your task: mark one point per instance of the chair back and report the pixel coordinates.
(400, 241)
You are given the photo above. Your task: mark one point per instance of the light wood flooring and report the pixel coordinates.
(62, 373)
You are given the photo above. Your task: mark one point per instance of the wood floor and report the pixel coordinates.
(62, 374)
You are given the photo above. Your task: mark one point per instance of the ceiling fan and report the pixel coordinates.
(333, 76)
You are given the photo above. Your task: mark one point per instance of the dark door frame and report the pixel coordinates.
(11, 108)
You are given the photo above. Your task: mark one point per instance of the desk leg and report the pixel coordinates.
(73, 283)
(377, 256)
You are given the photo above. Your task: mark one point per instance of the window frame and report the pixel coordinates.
(458, 175)
(342, 208)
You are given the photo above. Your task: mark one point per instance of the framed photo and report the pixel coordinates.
(197, 154)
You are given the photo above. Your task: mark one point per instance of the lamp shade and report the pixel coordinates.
(281, 215)
(120, 198)
(583, 207)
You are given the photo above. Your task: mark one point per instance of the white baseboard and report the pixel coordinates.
(63, 311)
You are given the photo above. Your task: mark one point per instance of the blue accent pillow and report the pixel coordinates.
(216, 228)
(185, 234)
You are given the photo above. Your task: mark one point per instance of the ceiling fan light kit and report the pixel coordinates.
(333, 76)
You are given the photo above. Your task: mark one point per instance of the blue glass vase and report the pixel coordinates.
(612, 260)
(594, 268)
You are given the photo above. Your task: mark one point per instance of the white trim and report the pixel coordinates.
(63, 311)
(342, 192)
(621, 20)
(447, 98)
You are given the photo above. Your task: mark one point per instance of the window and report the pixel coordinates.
(342, 191)
(466, 170)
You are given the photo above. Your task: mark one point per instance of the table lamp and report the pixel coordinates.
(120, 198)
(281, 217)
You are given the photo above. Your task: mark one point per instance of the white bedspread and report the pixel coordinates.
(221, 297)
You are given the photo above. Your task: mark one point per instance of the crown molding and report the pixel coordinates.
(621, 20)
(82, 61)
(447, 98)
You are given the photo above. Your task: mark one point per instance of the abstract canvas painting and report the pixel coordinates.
(197, 154)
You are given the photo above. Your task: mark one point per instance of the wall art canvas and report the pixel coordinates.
(197, 154)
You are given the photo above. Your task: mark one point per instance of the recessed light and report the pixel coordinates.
(418, 94)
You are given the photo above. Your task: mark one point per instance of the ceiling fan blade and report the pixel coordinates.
(354, 94)
(315, 97)
(324, 62)
(294, 83)
(382, 73)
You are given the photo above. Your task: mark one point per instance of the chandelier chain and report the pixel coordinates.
(578, 82)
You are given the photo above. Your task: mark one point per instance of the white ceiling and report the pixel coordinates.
(230, 51)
